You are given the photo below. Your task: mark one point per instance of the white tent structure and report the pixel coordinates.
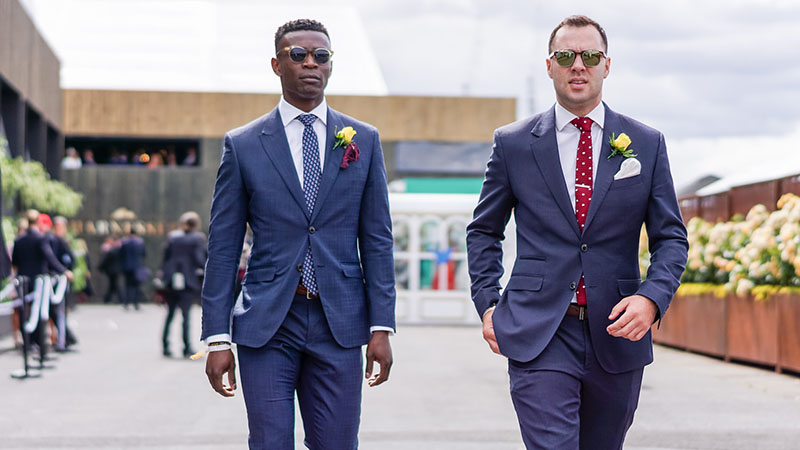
(194, 45)
(737, 161)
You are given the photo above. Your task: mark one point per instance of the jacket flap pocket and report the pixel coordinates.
(352, 270)
(628, 287)
(523, 283)
(529, 266)
(256, 275)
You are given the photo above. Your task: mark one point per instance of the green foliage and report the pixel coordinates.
(31, 182)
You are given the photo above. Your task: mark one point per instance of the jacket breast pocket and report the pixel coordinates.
(524, 283)
(259, 275)
(626, 182)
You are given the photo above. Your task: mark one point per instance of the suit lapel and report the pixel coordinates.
(332, 160)
(606, 167)
(273, 140)
(545, 151)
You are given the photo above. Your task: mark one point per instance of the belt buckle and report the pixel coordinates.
(308, 295)
(581, 312)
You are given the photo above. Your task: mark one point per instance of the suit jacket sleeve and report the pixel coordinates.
(376, 242)
(667, 237)
(52, 262)
(226, 235)
(487, 230)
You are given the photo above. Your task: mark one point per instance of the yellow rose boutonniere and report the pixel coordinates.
(619, 146)
(344, 137)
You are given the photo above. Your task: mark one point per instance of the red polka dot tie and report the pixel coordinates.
(583, 185)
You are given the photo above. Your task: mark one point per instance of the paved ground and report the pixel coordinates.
(446, 392)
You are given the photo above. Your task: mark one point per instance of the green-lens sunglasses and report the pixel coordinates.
(590, 58)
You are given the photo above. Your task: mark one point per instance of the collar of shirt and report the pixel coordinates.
(290, 112)
(564, 117)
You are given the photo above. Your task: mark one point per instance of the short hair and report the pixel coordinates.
(190, 221)
(299, 25)
(32, 215)
(578, 21)
(60, 219)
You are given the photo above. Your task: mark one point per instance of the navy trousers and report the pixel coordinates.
(566, 401)
(303, 357)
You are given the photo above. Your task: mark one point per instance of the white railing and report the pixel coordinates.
(431, 260)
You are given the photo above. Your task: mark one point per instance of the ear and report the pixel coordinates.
(608, 67)
(276, 68)
(547, 63)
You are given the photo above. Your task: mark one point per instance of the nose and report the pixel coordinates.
(578, 65)
(310, 62)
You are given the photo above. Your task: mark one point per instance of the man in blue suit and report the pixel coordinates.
(575, 316)
(320, 279)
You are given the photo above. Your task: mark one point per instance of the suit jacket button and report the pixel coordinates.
(584, 247)
(299, 267)
(312, 230)
(573, 286)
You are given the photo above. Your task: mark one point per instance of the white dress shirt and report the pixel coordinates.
(567, 136)
(294, 135)
(294, 132)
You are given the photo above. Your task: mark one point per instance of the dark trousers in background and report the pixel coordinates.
(132, 291)
(113, 289)
(175, 300)
(565, 400)
(302, 356)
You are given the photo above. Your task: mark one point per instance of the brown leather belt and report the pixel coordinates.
(301, 290)
(577, 311)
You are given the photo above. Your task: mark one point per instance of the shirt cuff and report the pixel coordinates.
(224, 337)
(491, 308)
(379, 328)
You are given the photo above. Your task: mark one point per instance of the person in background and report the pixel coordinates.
(132, 253)
(191, 157)
(63, 252)
(111, 266)
(182, 269)
(33, 256)
(71, 160)
(88, 158)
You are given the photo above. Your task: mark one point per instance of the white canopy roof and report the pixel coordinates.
(194, 45)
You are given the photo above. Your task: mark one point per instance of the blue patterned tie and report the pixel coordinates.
(311, 175)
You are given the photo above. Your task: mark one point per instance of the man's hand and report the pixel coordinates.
(638, 313)
(217, 364)
(488, 332)
(379, 350)
(69, 275)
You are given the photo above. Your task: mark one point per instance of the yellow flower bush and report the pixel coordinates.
(759, 254)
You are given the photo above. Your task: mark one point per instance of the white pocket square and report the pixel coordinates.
(629, 168)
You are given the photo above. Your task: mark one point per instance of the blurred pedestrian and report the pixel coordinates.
(88, 158)
(71, 160)
(33, 256)
(111, 266)
(191, 157)
(182, 269)
(132, 252)
(63, 252)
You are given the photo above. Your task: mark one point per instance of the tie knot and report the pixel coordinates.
(582, 123)
(307, 119)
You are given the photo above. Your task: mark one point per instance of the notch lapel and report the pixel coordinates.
(606, 167)
(545, 151)
(276, 146)
(333, 159)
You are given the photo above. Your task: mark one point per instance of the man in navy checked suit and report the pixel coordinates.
(320, 279)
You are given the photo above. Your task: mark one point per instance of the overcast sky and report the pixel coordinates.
(719, 78)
